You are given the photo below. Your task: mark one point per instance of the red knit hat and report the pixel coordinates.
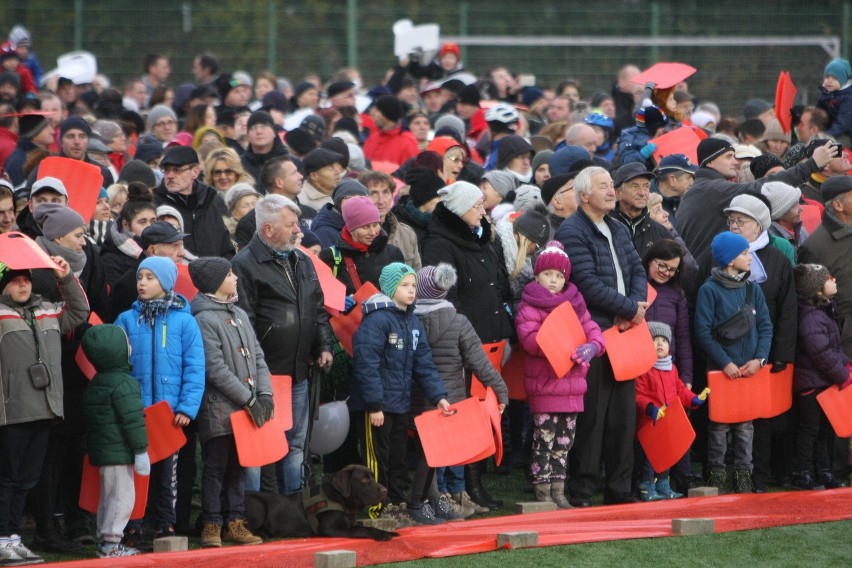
(553, 257)
(450, 47)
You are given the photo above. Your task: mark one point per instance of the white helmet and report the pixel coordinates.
(502, 112)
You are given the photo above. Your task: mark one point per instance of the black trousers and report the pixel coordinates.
(22, 451)
(385, 449)
(605, 432)
(222, 469)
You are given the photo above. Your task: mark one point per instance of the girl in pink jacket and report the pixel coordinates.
(554, 401)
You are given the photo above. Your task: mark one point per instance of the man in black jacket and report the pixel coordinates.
(632, 187)
(279, 289)
(200, 206)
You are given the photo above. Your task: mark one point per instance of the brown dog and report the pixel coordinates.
(325, 509)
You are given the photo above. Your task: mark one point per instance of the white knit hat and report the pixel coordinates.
(782, 197)
(460, 196)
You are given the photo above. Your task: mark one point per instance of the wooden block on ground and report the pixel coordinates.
(335, 559)
(534, 507)
(524, 539)
(171, 544)
(703, 492)
(689, 527)
(381, 524)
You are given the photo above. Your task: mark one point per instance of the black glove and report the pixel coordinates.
(256, 411)
(778, 366)
(267, 404)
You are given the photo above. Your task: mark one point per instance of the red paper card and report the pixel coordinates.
(333, 290)
(164, 438)
(492, 406)
(560, 334)
(19, 252)
(183, 284)
(785, 95)
(811, 217)
(669, 439)
(384, 167)
(90, 490)
(652, 294)
(631, 352)
(494, 352)
(455, 439)
(763, 395)
(681, 140)
(257, 447)
(344, 325)
(82, 180)
(513, 374)
(837, 405)
(82, 361)
(664, 75)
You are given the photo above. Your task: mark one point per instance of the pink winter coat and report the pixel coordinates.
(545, 391)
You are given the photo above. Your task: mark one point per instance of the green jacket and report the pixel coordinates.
(112, 403)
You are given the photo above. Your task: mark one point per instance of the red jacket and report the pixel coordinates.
(658, 388)
(392, 145)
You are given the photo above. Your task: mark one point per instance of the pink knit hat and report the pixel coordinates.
(359, 211)
(553, 257)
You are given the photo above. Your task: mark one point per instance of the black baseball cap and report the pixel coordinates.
(160, 232)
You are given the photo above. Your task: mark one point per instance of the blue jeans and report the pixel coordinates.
(289, 469)
(450, 479)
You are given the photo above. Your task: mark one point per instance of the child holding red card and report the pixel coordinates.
(236, 378)
(820, 363)
(655, 391)
(554, 401)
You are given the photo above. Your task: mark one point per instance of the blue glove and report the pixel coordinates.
(584, 354)
(348, 304)
(647, 150)
(142, 464)
(654, 412)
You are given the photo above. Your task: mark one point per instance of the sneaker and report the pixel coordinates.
(239, 533)
(13, 552)
(425, 515)
(648, 492)
(467, 504)
(114, 550)
(444, 509)
(399, 514)
(742, 481)
(718, 479)
(665, 491)
(211, 535)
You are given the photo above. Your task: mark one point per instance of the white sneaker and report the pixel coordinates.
(111, 550)
(14, 553)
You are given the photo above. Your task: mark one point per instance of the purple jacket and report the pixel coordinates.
(670, 308)
(820, 360)
(545, 391)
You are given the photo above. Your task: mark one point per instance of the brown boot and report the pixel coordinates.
(211, 535)
(237, 532)
(542, 493)
(557, 492)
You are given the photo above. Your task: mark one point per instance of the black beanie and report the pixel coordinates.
(552, 185)
(208, 273)
(338, 146)
(763, 163)
(29, 125)
(534, 226)
(511, 147)
(300, 141)
(390, 107)
(424, 184)
(470, 95)
(711, 148)
(260, 117)
(8, 274)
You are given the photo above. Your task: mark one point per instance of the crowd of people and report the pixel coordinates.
(475, 208)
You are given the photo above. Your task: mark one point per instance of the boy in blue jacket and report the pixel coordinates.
(168, 362)
(724, 293)
(389, 351)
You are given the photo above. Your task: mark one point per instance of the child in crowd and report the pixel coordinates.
(554, 401)
(820, 363)
(236, 378)
(656, 390)
(836, 97)
(455, 349)
(30, 333)
(390, 350)
(732, 325)
(115, 433)
(167, 357)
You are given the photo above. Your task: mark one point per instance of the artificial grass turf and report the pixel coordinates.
(821, 544)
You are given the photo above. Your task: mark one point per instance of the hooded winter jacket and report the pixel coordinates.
(202, 219)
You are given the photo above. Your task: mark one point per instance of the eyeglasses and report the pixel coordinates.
(227, 172)
(480, 205)
(739, 222)
(456, 159)
(168, 122)
(664, 268)
(170, 169)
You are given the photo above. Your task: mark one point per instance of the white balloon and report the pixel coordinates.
(330, 427)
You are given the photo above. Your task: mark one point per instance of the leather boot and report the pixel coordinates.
(542, 493)
(557, 493)
(478, 494)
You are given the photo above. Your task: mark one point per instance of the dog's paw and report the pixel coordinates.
(385, 535)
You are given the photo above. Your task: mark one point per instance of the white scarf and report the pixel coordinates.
(758, 272)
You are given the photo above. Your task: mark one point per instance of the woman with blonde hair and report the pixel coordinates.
(222, 169)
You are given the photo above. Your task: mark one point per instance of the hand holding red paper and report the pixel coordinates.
(64, 267)
(584, 354)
